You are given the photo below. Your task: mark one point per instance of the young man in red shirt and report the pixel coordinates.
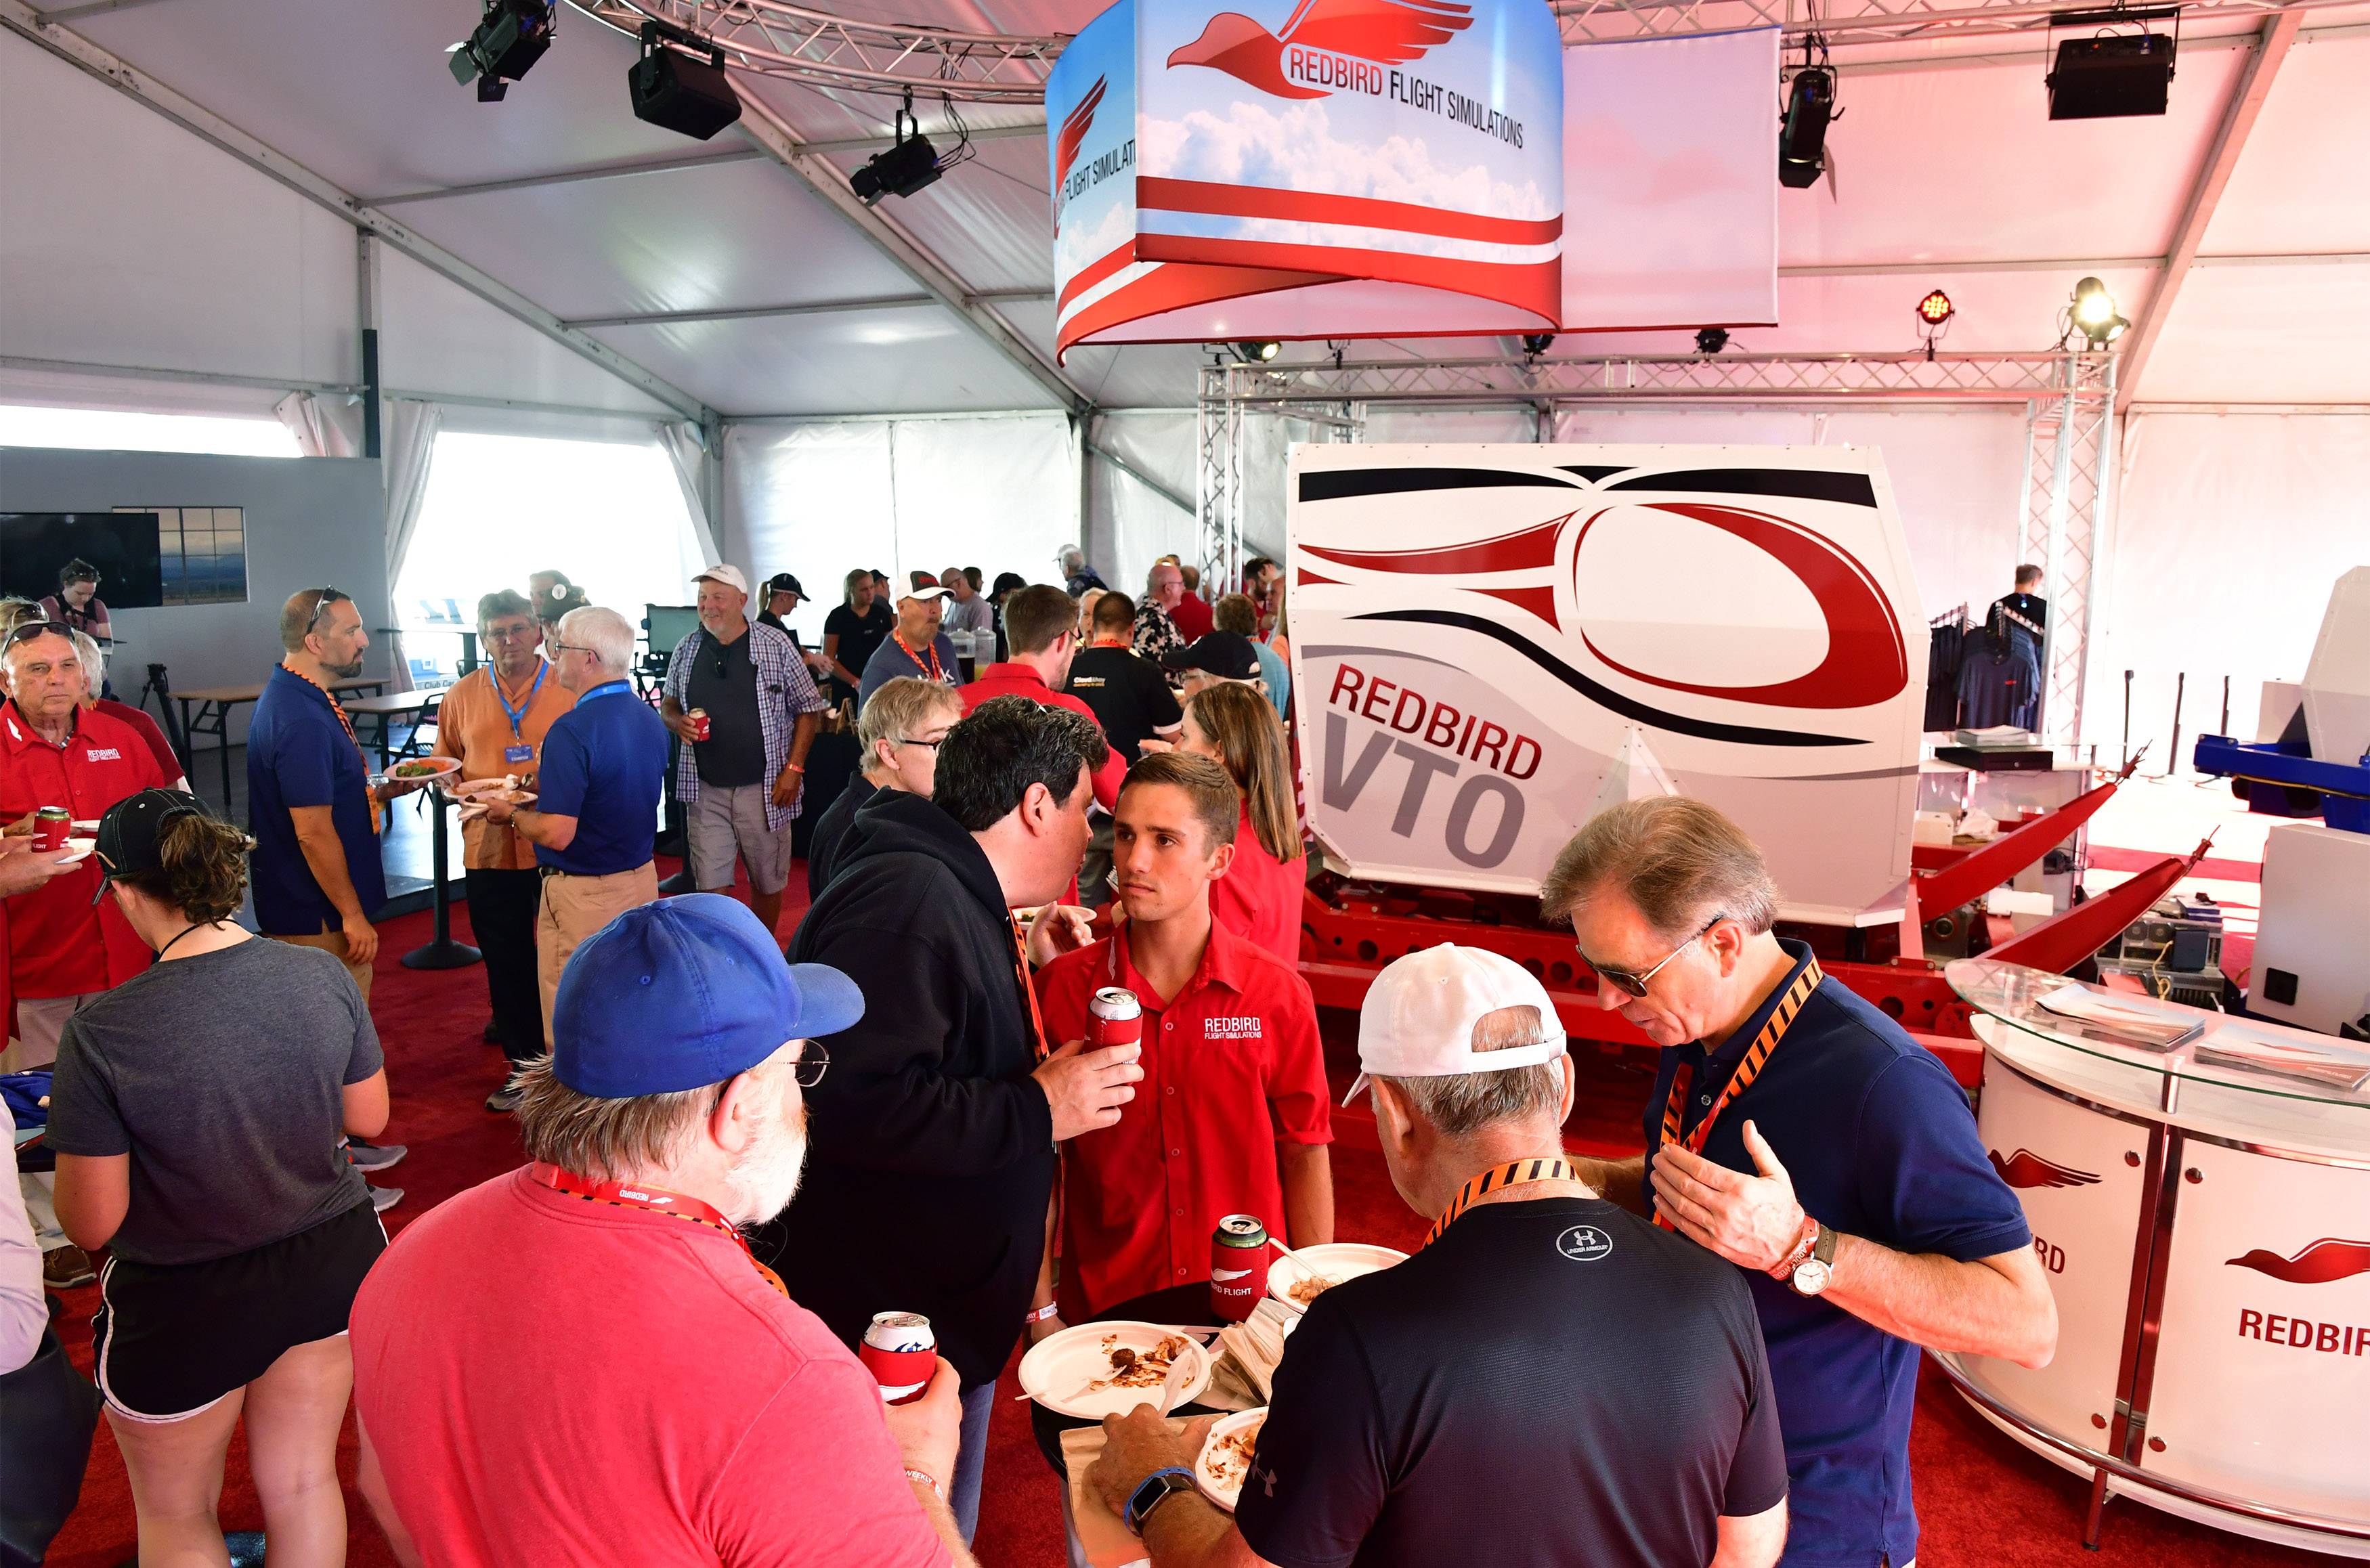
(1040, 622)
(1231, 1115)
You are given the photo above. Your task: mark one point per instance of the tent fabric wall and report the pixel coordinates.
(685, 451)
(411, 430)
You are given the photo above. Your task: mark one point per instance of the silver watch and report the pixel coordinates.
(1813, 1274)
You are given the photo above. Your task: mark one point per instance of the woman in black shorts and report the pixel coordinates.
(196, 1114)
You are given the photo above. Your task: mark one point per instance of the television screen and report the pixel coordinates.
(668, 624)
(122, 546)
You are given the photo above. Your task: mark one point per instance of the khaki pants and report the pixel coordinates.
(334, 943)
(573, 908)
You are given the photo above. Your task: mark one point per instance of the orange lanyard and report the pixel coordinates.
(938, 671)
(1028, 990)
(1788, 1006)
(348, 724)
(651, 1200)
(1496, 1178)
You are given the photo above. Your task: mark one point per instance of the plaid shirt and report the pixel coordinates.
(785, 691)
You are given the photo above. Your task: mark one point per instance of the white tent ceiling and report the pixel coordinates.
(1949, 174)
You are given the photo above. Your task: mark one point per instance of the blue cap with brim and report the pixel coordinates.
(686, 993)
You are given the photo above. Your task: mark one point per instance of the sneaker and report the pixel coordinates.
(385, 1198)
(492, 1033)
(506, 1098)
(62, 1268)
(370, 1156)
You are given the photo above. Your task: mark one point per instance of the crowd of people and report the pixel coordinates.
(742, 1144)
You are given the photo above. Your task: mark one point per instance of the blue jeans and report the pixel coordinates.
(971, 1459)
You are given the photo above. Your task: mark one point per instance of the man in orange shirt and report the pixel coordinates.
(1041, 625)
(493, 719)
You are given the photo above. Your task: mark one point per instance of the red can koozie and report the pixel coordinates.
(52, 825)
(1114, 1018)
(902, 1352)
(699, 717)
(1237, 1266)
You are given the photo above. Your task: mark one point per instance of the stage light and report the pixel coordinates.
(1936, 308)
(679, 83)
(1711, 340)
(510, 38)
(2094, 312)
(910, 166)
(1803, 139)
(1537, 343)
(2114, 75)
(1256, 353)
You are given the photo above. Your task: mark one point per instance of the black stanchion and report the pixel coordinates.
(442, 952)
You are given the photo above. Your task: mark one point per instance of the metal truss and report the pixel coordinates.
(771, 38)
(2069, 458)
(1845, 22)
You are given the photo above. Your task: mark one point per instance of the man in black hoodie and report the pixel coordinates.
(931, 1158)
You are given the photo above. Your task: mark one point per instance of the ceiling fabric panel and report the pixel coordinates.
(845, 362)
(436, 337)
(2306, 148)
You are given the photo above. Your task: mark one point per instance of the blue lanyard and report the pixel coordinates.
(607, 689)
(518, 714)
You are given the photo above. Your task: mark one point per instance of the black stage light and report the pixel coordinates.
(681, 91)
(1255, 353)
(1537, 343)
(1803, 139)
(911, 166)
(510, 38)
(1711, 340)
(2114, 75)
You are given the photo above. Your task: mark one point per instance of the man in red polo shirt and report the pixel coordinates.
(61, 950)
(1040, 622)
(1231, 1116)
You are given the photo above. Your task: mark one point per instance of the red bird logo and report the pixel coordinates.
(1390, 31)
(2025, 1168)
(2323, 1263)
(1074, 131)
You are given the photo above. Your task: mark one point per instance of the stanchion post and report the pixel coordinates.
(442, 952)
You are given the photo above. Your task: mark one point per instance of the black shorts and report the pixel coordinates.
(170, 1340)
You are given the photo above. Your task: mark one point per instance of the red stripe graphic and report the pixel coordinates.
(1536, 287)
(1317, 207)
(2025, 1170)
(1094, 272)
(2323, 1263)
(1174, 287)
(1866, 662)
(1523, 550)
(1307, 577)
(1539, 601)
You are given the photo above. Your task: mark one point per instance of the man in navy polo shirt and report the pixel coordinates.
(310, 808)
(603, 769)
(1803, 1136)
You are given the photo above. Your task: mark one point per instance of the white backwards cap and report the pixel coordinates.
(1419, 1015)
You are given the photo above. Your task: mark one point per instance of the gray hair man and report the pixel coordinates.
(898, 732)
(1800, 1133)
(1652, 1437)
(1156, 625)
(742, 765)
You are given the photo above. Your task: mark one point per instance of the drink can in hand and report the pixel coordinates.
(698, 717)
(902, 1352)
(1114, 1018)
(1237, 1266)
(52, 823)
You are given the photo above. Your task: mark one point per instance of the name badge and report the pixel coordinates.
(518, 753)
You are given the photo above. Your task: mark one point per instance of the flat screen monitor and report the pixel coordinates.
(669, 624)
(121, 544)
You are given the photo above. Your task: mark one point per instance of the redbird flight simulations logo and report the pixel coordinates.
(2325, 1262)
(2025, 1168)
(1074, 129)
(1328, 46)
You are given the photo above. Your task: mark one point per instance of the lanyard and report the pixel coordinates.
(518, 715)
(1028, 990)
(606, 688)
(938, 671)
(652, 1200)
(1788, 1006)
(1496, 1178)
(348, 724)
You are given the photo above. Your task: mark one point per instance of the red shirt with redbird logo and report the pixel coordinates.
(59, 945)
(1232, 1067)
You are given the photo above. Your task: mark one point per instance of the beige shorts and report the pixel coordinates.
(726, 823)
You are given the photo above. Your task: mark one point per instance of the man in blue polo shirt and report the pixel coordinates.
(311, 810)
(1803, 1136)
(602, 771)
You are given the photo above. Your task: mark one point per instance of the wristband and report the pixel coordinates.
(926, 1479)
(1783, 1268)
(794, 767)
(1039, 1314)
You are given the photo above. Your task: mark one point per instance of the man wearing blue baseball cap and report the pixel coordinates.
(581, 1361)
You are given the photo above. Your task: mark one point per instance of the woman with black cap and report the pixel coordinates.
(196, 1113)
(1006, 585)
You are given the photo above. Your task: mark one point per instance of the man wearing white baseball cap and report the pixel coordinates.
(742, 763)
(1549, 1379)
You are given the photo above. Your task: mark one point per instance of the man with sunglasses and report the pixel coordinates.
(311, 809)
(628, 1385)
(1800, 1133)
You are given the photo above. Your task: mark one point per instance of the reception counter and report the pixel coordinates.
(2206, 1231)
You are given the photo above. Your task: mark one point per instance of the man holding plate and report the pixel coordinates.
(1547, 1380)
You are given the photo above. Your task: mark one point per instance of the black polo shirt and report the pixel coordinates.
(724, 682)
(1552, 1381)
(1880, 1143)
(1131, 698)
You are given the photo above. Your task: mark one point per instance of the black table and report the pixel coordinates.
(1186, 1304)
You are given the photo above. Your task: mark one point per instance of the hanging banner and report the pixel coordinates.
(1330, 169)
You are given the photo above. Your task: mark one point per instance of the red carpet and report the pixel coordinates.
(1983, 1499)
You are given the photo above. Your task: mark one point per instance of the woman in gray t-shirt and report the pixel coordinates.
(196, 1114)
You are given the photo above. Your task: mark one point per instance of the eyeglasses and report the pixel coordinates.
(31, 629)
(1634, 984)
(808, 1069)
(925, 745)
(328, 596)
(511, 634)
(557, 647)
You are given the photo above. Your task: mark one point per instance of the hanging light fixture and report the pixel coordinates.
(1934, 313)
(2094, 314)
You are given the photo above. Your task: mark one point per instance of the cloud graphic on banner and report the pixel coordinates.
(1080, 244)
(1294, 149)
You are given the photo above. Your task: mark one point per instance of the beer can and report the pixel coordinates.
(700, 718)
(902, 1352)
(50, 826)
(1114, 1018)
(1237, 1266)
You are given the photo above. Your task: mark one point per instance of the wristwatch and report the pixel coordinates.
(1152, 1491)
(1812, 1274)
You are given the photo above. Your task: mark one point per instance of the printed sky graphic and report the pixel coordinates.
(1391, 33)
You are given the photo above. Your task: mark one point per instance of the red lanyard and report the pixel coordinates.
(652, 1200)
(1029, 991)
(1496, 1178)
(938, 671)
(1789, 1005)
(338, 708)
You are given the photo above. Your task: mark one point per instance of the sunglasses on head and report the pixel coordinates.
(1635, 984)
(31, 629)
(328, 596)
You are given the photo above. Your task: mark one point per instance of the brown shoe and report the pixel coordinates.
(62, 1268)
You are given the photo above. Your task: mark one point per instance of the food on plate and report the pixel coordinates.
(1132, 1368)
(1229, 1459)
(418, 768)
(1309, 1287)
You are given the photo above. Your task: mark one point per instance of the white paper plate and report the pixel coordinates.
(1338, 1261)
(1204, 1477)
(82, 825)
(443, 765)
(76, 849)
(1058, 1368)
